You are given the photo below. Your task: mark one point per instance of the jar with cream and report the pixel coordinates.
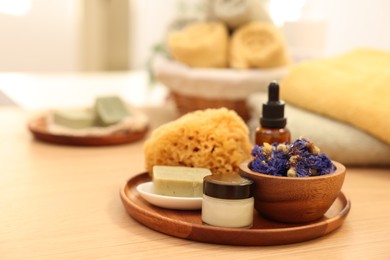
(227, 201)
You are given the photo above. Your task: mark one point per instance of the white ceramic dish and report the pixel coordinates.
(146, 191)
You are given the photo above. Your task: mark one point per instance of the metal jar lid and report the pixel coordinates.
(227, 186)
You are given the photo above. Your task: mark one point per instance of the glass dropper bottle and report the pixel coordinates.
(272, 127)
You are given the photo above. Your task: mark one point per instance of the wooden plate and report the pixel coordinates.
(39, 130)
(188, 224)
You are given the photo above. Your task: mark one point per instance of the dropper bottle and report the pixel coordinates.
(273, 123)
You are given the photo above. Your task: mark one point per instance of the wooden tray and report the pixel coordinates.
(38, 128)
(188, 224)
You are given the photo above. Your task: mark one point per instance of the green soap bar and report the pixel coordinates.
(179, 181)
(74, 118)
(110, 110)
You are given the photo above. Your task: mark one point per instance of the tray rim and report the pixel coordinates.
(92, 140)
(328, 225)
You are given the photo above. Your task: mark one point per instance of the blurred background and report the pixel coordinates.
(119, 35)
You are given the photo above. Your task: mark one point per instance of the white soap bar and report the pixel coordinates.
(179, 181)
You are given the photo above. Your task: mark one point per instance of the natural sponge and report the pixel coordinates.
(202, 44)
(258, 45)
(217, 139)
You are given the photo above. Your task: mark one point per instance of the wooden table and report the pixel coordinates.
(60, 202)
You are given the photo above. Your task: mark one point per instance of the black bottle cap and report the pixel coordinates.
(273, 110)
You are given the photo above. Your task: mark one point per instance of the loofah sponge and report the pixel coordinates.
(217, 139)
(200, 45)
(258, 45)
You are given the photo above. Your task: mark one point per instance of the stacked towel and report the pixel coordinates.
(353, 88)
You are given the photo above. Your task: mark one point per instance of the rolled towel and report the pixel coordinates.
(352, 88)
(258, 45)
(203, 44)
(235, 13)
(341, 142)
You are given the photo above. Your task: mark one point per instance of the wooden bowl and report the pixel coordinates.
(294, 200)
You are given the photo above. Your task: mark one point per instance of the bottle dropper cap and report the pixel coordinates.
(273, 110)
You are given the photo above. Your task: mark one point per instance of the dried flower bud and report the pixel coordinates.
(315, 150)
(267, 150)
(292, 172)
(293, 159)
(282, 147)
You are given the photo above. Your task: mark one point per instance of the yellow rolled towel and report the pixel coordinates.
(258, 45)
(352, 88)
(203, 44)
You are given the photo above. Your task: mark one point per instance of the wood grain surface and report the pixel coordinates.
(62, 202)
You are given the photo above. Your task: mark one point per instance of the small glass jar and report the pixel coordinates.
(227, 201)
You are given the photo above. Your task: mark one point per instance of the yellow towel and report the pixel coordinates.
(258, 45)
(352, 88)
(203, 44)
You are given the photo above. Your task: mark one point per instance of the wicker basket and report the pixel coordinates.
(187, 104)
(194, 89)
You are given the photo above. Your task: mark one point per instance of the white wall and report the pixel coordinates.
(353, 24)
(44, 39)
(149, 21)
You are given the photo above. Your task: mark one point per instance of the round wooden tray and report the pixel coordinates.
(188, 224)
(38, 128)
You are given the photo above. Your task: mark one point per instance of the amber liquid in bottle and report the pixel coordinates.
(272, 123)
(272, 135)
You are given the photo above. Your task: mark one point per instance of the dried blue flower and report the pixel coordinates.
(257, 151)
(300, 158)
(270, 160)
